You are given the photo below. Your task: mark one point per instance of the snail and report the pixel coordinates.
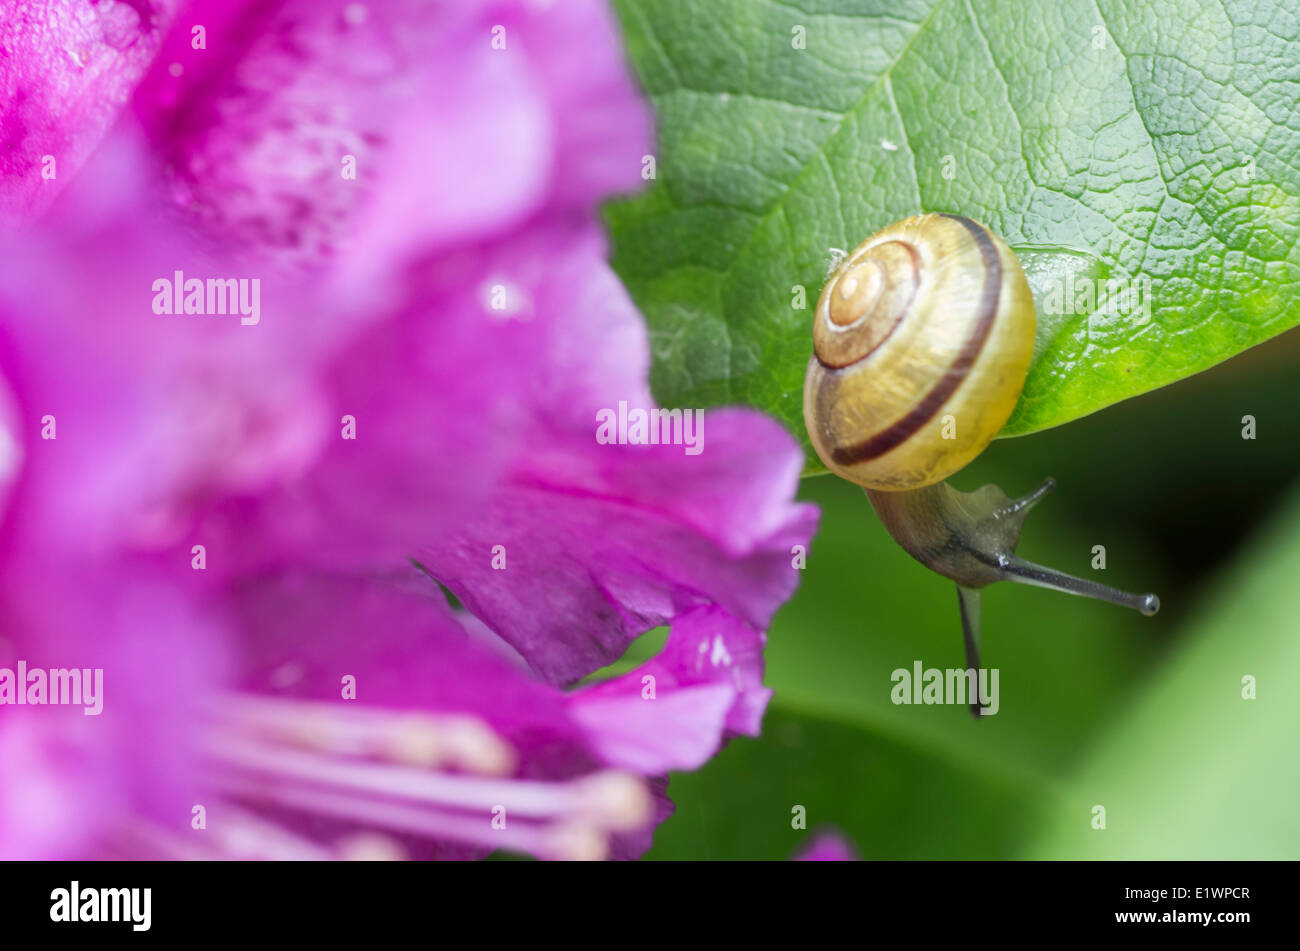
(922, 340)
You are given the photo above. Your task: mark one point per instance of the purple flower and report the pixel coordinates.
(258, 509)
(65, 74)
(451, 749)
(827, 846)
(486, 114)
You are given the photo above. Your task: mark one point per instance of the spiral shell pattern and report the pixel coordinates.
(922, 340)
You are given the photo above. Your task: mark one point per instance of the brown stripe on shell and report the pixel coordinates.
(925, 410)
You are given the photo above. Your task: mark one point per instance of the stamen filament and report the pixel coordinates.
(547, 840)
(419, 739)
(528, 798)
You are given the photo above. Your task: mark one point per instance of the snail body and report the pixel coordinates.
(922, 339)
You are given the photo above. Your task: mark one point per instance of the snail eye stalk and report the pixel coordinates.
(1026, 572)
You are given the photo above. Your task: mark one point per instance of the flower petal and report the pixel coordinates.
(67, 70)
(265, 128)
(587, 545)
(674, 711)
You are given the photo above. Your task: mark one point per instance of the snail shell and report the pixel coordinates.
(931, 317)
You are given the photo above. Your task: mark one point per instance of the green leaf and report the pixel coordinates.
(1124, 139)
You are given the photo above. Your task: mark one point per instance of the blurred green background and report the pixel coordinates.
(1099, 706)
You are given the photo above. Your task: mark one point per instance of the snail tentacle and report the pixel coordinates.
(968, 601)
(1027, 502)
(1040, 576)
